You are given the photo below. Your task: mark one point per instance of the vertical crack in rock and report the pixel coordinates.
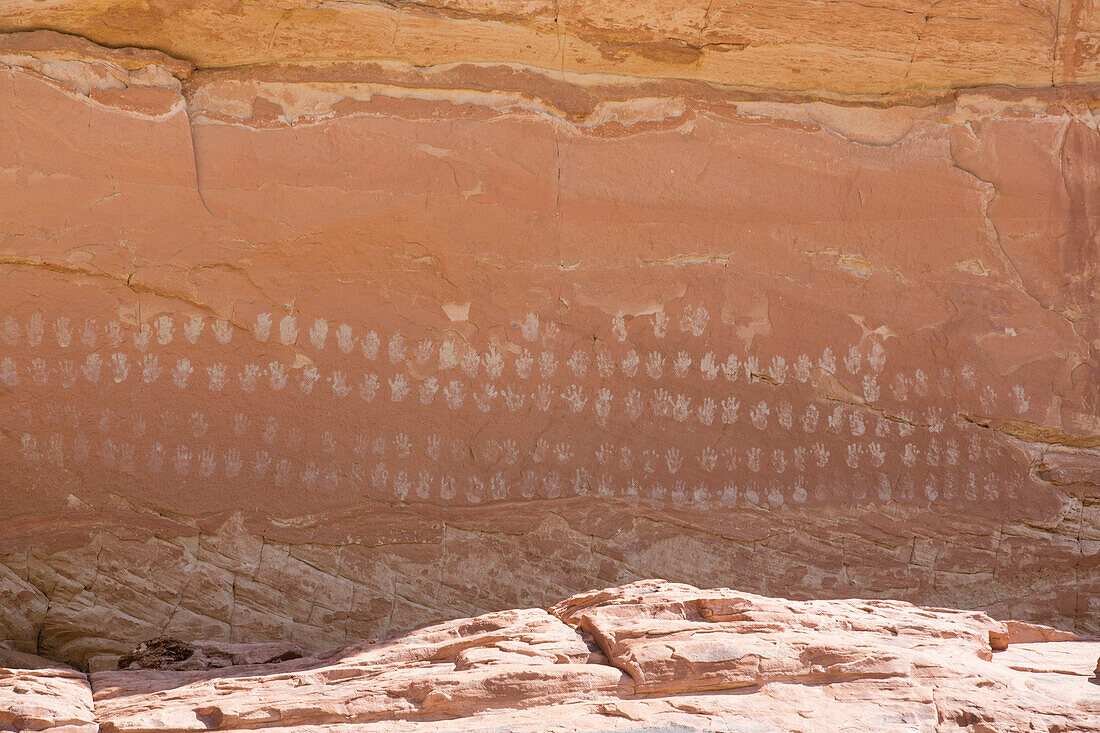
(195, 162)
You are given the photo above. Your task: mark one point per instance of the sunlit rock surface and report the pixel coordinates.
(325, 320)
(38, 694)
(647, 656)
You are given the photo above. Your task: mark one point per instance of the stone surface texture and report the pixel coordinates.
(38, 694)
(651, 655)
(322, 320)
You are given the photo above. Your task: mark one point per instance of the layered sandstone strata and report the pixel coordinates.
(799, 45)
(322, 320)
(651, 655)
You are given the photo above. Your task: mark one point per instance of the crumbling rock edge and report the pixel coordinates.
(651, 653)
(144, 82)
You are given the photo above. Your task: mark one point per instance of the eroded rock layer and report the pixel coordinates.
(648, 656)
(311, 338)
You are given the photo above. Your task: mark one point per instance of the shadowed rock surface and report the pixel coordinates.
(168, 653)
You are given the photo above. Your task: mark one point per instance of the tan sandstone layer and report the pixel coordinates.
(830, 45)
(647, 656)
(321, 320)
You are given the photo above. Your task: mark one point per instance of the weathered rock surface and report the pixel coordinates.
(647, 656)
(795, 44)
(321, 320)
(38, 694)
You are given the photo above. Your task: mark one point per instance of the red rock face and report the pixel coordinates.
(313, 355)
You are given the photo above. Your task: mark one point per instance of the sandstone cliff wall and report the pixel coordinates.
(322, 320)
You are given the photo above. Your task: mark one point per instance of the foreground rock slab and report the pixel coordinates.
(651, 655)
(37, 694)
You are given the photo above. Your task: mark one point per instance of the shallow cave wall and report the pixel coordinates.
(320, 321)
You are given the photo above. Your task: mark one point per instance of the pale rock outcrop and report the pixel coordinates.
(651, 655)
(518, 659)
(39, 694)
(322, 320)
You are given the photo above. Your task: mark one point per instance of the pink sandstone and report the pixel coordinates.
(323, 320)
(647, 656)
